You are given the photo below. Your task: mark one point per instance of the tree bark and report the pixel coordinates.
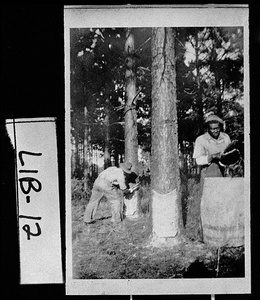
(76, 170)
(90, 154)
(219, 94)
(131, 141)
(165, 177)
(116, 157)
(85, 147)
(107, 157)
(199, 93)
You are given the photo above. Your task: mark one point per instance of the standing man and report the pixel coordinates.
(111, 184)
(209, 148)
(207, 152)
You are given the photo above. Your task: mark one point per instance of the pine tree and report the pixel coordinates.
(166, 208)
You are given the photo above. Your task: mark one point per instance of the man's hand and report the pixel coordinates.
(115, 186)
(134, 187)
(214, 157)
(126, 192)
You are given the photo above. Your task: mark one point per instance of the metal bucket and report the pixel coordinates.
(222, 211)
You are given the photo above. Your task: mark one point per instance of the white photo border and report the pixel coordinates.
(156, 16)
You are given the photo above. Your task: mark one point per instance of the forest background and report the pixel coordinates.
(209, 78)
(115, 115)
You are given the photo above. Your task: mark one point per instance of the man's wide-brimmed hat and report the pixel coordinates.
(126, 167)
(214, 118)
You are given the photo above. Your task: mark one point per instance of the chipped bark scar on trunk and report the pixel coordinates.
(165, 219)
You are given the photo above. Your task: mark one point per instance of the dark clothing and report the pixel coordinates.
(130, 178)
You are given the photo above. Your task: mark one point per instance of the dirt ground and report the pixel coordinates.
(104, 251)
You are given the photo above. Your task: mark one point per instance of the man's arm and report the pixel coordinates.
(121, 179)
(202, 160)
(200, 153)
(207, 159)
(214, 157)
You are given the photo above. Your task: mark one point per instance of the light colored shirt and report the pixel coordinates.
(205, 145)
(114, 175)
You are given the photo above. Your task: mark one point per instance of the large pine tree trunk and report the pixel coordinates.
(166, 208)
(131, 141)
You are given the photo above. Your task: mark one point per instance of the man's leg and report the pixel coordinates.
(92, 206)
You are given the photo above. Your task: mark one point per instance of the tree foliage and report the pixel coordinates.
(209, 77)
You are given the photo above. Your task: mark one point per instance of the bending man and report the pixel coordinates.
(111, 184)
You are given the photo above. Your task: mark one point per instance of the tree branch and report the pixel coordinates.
(143, 44)
(115, 123)
(138, 92)
(116, 139)
(190, 93)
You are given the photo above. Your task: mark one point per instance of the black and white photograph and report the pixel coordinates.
(129, 151)
(157, 150)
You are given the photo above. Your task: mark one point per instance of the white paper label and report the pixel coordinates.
(38, 212)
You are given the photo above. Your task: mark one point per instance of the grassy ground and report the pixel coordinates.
(101, 250)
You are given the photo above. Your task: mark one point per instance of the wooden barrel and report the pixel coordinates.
(222, 211)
